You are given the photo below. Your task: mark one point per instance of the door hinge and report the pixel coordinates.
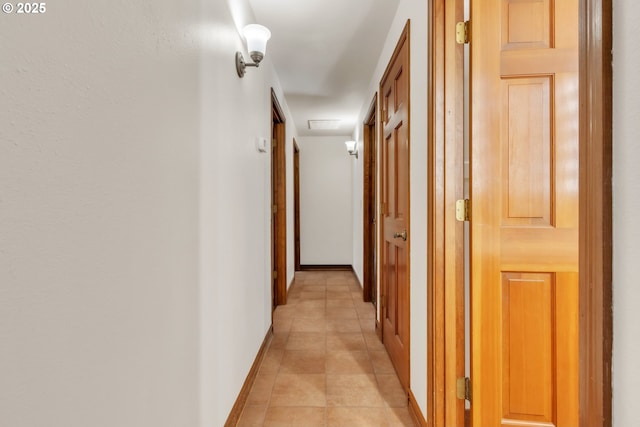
(275, 274)
(463, 210)
(274, 209)
(462, 32)
(274, 143)
(463, 388)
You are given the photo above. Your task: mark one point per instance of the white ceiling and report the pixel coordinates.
(325, 52)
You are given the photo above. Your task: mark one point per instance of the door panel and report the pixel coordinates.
(394, 89)
(524, 222)
(528, 302)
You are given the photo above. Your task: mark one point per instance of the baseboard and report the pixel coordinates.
(326, 267)
(241, 400)
(416, 413)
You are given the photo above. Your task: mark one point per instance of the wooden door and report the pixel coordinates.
(394, 92)
(524, 210)
(369, 190)
(296, 204)
(279, 205)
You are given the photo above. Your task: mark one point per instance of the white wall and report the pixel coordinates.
(99, 145)
(134, 214)
(326, 228)
(235, 245)
(134, 220)
(357, 206)
(416, 11)
(626, 230)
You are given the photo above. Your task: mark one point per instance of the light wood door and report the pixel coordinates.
(394, 90)
(524, 200)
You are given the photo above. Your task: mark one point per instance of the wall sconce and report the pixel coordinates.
(352, 148)
(256, 37)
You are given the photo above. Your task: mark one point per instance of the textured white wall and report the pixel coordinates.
(626, 230)
(417, 13)
(99, 143)
(235, 239)
(134, 220)
(357, 206)
(326, 229)
(290, 135)
(134, 213)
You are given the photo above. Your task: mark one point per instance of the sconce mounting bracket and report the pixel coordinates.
(240, 65)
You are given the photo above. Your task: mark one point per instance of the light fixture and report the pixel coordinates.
(323, 124)
(352, 148)
(256, 37)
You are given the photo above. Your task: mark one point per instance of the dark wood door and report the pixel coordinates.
(369, 220)
(296, 204)
(394, 92)
(279, 205)
(524, 217)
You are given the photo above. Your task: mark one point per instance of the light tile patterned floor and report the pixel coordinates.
(325, 366)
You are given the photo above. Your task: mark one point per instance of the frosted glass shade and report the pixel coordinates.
(351, 146)
(256, 36)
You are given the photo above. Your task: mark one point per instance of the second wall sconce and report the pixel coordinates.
(256, 37)
(352, 148)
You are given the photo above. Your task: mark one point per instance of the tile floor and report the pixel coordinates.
(326, 366)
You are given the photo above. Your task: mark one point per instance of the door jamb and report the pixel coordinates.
(595, 199)
(435, 226)
(596, 241)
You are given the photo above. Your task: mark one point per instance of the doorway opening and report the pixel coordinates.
(278, 205)
(370, 189)
(296, 204)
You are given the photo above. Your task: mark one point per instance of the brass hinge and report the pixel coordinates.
(463, 389)
(274, 143)
(275, 274)
(463, 210)
(274, 209)
(462, 32)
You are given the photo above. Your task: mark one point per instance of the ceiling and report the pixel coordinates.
(325, 53)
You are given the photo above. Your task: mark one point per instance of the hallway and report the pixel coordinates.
(325, 365)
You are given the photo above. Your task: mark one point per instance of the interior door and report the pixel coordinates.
(394, 90)
(279, 204)
(296, 205)
(369, 191)
(524, 212)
